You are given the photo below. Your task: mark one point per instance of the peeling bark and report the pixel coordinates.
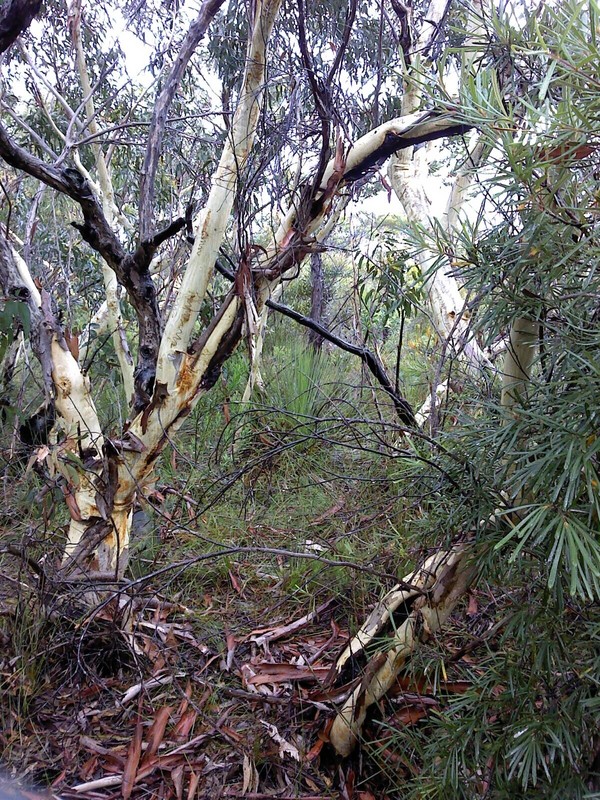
(438, 586)
(173, 370)
(132, 270)
(69, 390)
(427, 597)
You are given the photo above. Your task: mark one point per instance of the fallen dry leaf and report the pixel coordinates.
(262, 636)
(177, 778)
(133, 760)
(156, 732)
(284, 746)
(472, 608)
(193, 785)
(338, 505)
(235, 583)
(182, 730)
(250, 775)
(282, 673)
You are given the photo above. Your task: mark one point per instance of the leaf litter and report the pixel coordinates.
(171, 713)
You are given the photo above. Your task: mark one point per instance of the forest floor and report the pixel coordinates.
(240, 607)
(174, 716)
(232, 697)
(229, 697)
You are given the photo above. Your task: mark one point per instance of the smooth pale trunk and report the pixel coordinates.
(520, 354)
(182, 372)
(210, 225)
(445, 577)
(449, 314)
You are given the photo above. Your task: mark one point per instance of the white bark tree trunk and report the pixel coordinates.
(520, 354)
(176, 367)
(409, 173)
(98, 538)
(445, 577)
(438, 585)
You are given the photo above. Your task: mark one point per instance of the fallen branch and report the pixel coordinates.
(444, 578)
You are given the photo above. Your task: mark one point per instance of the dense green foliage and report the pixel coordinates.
(527, 727)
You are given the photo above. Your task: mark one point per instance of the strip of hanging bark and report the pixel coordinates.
(443, 580)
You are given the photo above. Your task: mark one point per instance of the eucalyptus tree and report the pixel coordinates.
(171, 196)
(78, 141)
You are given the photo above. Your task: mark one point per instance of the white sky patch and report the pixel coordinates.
(137, 56)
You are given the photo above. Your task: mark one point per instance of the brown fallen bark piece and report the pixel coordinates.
(271, 634)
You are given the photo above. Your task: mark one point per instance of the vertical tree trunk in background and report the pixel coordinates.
(409, 172)
(519, 357)
(317, 297)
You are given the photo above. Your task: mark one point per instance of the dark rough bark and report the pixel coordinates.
(16, 17)
(95, 228)
(317, 298)
(132, 269)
